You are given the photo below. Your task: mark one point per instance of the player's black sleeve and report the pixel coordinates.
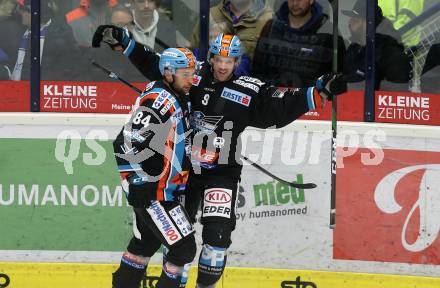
(276, 108)
(144, 59)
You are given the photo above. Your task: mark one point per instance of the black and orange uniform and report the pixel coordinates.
(151, 154)
(220, 113)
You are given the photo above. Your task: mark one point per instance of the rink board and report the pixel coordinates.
(64, 204)
(65, 275)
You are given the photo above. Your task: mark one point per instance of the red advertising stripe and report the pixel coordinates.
(15, 96)
(389, 212)
(95, 97)
(407, 107)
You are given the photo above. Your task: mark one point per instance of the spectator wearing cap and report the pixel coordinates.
(296, 46)
(392, 64)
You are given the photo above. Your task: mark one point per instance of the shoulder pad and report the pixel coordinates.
(156, 94)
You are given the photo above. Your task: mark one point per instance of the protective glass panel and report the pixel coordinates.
(15, 50)
(70, 83)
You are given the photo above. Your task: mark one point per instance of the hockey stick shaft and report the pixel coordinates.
(115, 76)
(335, 8)
(292, 184)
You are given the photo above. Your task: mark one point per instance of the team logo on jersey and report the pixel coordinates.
(201, 123)
(279, 93)
(135, 135)
(236, 96)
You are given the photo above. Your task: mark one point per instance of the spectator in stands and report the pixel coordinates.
(12, 30)
(121, 16)
(56, 41)
(295, 47)
(244, 18)
(401, 12)
(392, 64)
(85, 18)
(6, 8)
(145, 20)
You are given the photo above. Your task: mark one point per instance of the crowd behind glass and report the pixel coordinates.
(286, 42)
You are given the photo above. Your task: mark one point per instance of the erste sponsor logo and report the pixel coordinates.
(236, 96)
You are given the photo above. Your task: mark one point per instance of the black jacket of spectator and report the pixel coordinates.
(392, 64)
(60, 58)
(295, 57)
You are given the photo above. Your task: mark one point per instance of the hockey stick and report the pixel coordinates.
(114, 76)
(335, 8)
(292, 184)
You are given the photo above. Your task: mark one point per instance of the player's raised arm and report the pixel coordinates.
(120, 39)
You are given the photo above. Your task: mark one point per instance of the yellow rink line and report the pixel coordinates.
(74, 275)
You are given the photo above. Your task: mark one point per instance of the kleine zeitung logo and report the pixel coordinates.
(59, 96)
(403, 107)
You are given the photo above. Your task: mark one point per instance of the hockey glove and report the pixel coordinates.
(330, 84)
(117, 38)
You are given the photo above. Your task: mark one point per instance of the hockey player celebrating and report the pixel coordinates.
(151, 155)
(223, 105)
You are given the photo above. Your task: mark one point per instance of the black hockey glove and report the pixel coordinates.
(117, 38)
(331, 84)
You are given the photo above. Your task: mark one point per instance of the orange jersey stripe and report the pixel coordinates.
(167, 164)
(124, 175)
(150, 96)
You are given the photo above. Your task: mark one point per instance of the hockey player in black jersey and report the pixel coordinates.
(223, 105)
(153, 164)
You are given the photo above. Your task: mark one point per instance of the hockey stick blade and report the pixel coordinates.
(291, 184)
